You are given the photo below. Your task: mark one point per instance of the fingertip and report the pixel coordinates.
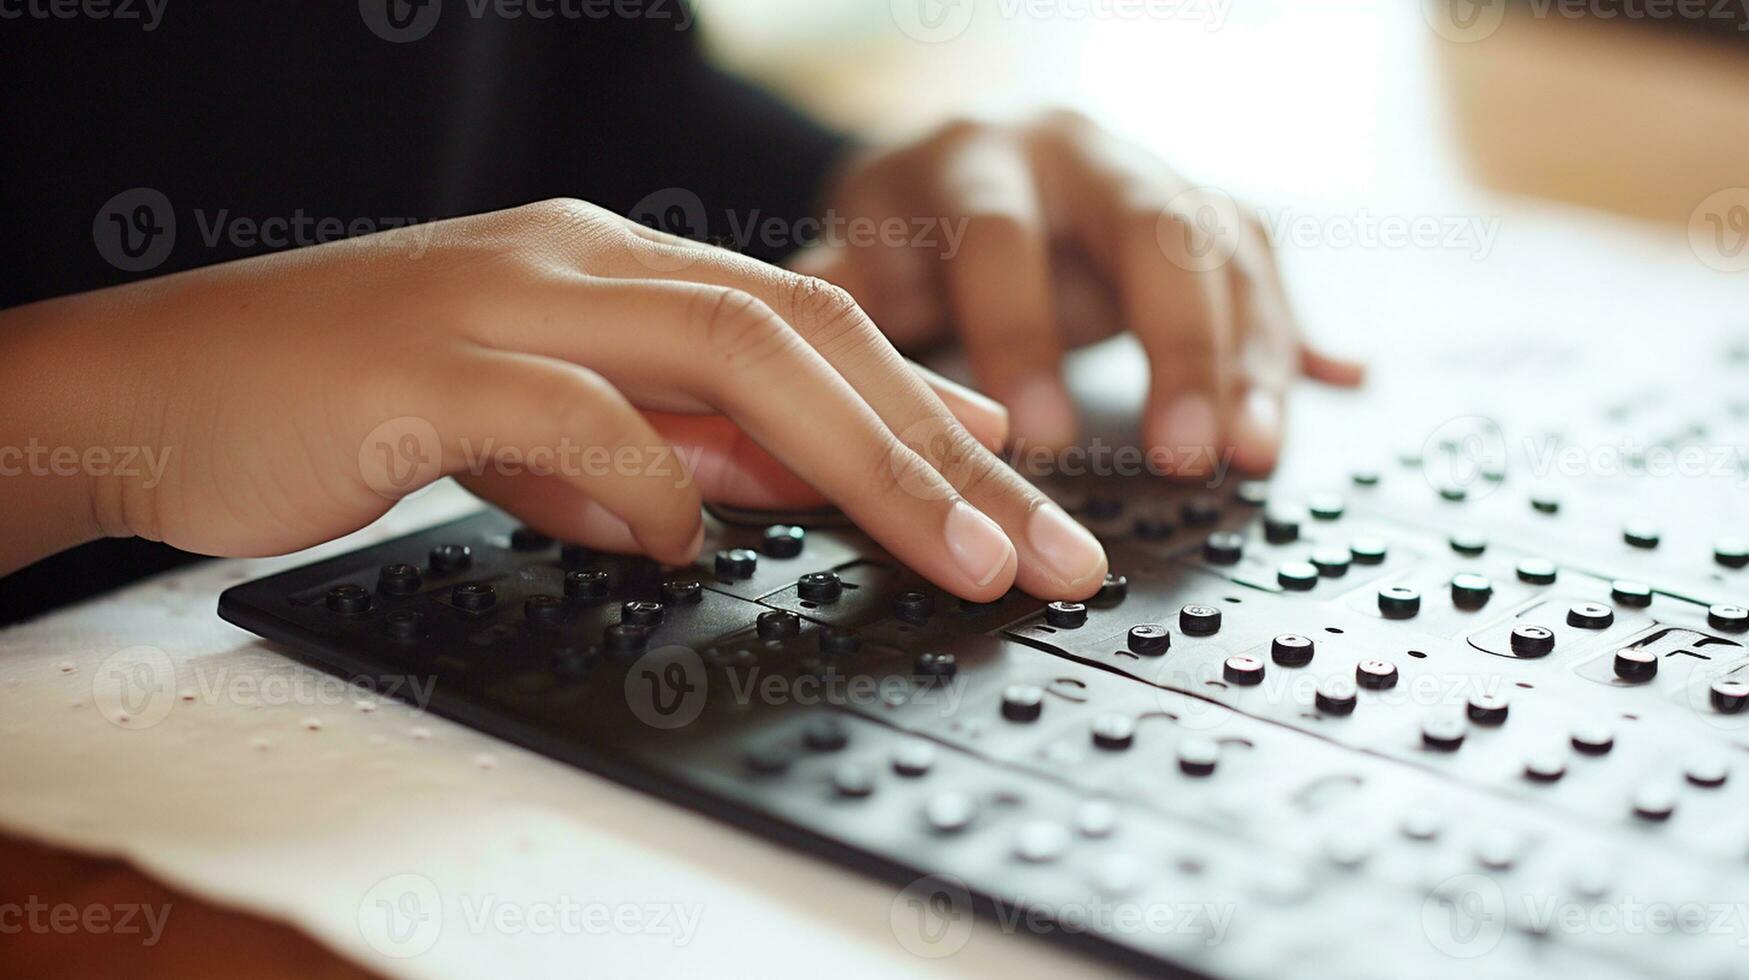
(1331, 369)
(1257, 432)
(1040, 411)
(1186, 431)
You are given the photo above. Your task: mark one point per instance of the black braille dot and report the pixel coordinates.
(1453, 492)
(1336, 696)
(1545, 504)
(1223, 548)
(1198, 619)
(1364, 477)
(1102, 508)
(1729, 618)
(1593, 739)
(1114, 732)
(544, 609)
(1536, 571)
(1532, 641)
(1198, 756)
(1636, 666)
(1200, 512)
(1297, 576)
(1486, 709)
(1399, 602)
(1443, 734)
(1113, 590)
(784, 540)
(853, 781)
(1732, 553)
(777, 624)
(1282, 526)
(1291, 650)
(1634, 594)
(682, 592)
(399, 579)
(1375, 675)
(1367, 551)
(1149, 640)
(936, 665)
(914, 607)
(1327, 506)
(1470, 591)
(836, 642)
(1253, 493)
(1640, 535)
(1022, 702)
(584, 584)
(473, 596)
(572, 555)
(1729, 696)
(737, 563)
(1244, 671)
(826, 735)
(1066, 615)
(625, 638)
(1150, 528)
(403, 624)
(1590, 616)
(914, 758)
(641, 613)
(347, 599)
(447, 558)
(824, 588)
(1469, 543)
(528, 539)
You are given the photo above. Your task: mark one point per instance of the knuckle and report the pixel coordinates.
(737, 326)
(899, 471)
(827, 315)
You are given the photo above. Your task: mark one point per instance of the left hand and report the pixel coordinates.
(1035, 238)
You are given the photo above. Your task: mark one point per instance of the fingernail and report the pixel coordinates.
(1188, 424)
(979, 547)
(1071, 551)
(1039, 410)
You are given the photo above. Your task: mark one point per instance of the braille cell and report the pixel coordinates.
(528, 539)
(641, 613)
(1367, 551)
(1443, 734)
(1532, 641)
(1327, 506)
(1198, 619)
(1732, 553)
(1590, 616)
(826, 735)
(1499, 849)
(1626, 593)
(1291, 650)
(1023, 702)
(1243, 671)
(784, 540)
(777, 624)
(1223, 548)
(446, 558)
(1421, 824)
(1066, 615)
(935, 665)
(682, 592)
(347, 600)
(1114, 731)
(473, 596)
(1096, 818)
(1486, 709)
(1336, 696)
(950, 812)
(545, 610)
(625, 638)
(914, 607)
(737, 563)
(1375, 675)
(584, 584)
(1455, 493)
(1113, 590)
(1149, 640)
(1536, 571)
(1594, 739)
(1470, 591)
(1399, 602)
(1297, 576)
(1728, 618)
(853, 781)
(913, 758)
(399, 579)
(1282, 525)
(1729, 696)
(1198, 756)
(823, 588)
(1640, 535)
(1331, 562)
(1469, 543)
(837, 642)
(1636, 666)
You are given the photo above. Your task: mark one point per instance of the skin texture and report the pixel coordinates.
(296, 396)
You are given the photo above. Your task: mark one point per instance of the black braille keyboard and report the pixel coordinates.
(1394, 725)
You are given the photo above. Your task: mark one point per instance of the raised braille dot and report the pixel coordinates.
(403, 624)
(1499, 850)
(625, 637)
(950, 812)
(826, 735)
(1469, 543)
(1443, 734)
(1149, 528)
(1149, 640)
(837, 642)
(1470, 591)
(1041, 841)
(914, 758)
(1454, 492)
(1096, 818)
(1545, 767)
(1367, 551)
(1732, 553)
(1636, 666)
(853, 781)
(1421, 824)
(914, 607)
(1593, 739)
(1640, 535)
(1102, 508)
(1729, 696)
(1198, 619)
(777, 624)
(1200, 512)
(641, 613)
(1532, 641)
(1545, 504)
(1536, 571)
(1114, 731)
(1291, 650)
(1336, 696)
(473, 596)
(936, 665)
(1297, 576)
(1399, 602)
(1022, 702)
(347, 600)
(1654, 802)
(1375, 675)
(528, 539)
(1113, 590)
(1731, 619)
(1331, 562)
(784, 540)
(1198, 756)
(1253, 493)
(586, 584)
(682, 592)
(768, 759)
(1326, 506)
(1364, 477)
(1708, 771)
(1282, 526)
(1634, 594)
(1486, 709)
(1066, 615)
(399, 579)
(544, 609)
(1223, 548)
(1590, 616)
(737, 563)
(446, 558)
(824, 588)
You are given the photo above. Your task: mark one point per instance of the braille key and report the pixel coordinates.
(1198, 756)
(1640, 535)
(683, 592)
(1243, 671)
(399, 579)
(1223, 548)
(625, 638)
(1443, 734)
(784, 540)
(1532, 641)
(836, 642)
(446, 558)
(1291, 650)
(1536, 571)
(1593, 739)
(1252, 493)
(1326, 506)
(347, 600)
(823, 588)
(777, 624)
(641, 613)
(1149, 640)
(1066, 615)
(914, 607)
(826, 735)
(1367, 551)
(935, 665)
(546, 610)
(1331, 562)
(737, 563)
(1470, 591)
(1375, 675)
(1728, 618)
(1732, 553)
(1399, 602)
(1297, 576)
(1023, 702)
(1729, 696)
(586, 585)
(914, 758)
(1486, 709)
(1113, 590)
(1336, 696)
(1114, 732)
(1197, 619)
(1626, 593)
(1282, 526)
(1469, 543)
(473, 596)
(1636, 666)
(1200, 512)
(1590, 616)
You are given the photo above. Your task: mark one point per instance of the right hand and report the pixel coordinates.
(298, 394)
